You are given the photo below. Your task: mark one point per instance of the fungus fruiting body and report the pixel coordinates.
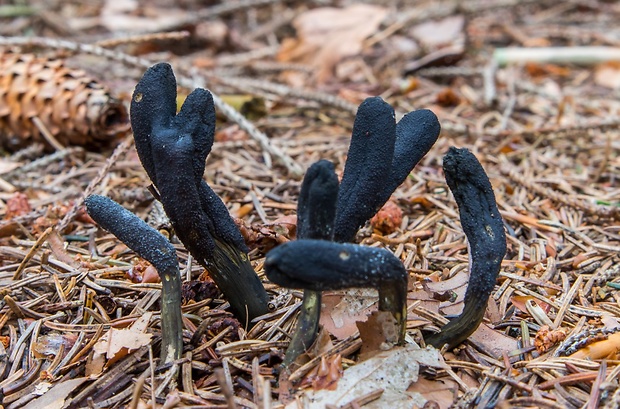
(320, 265)
(483, 226)
(173, 149)
(367, 168)
(381, 155)
(316, 210)
(149, 244)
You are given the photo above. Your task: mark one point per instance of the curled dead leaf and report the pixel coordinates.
(546, 338)
(17, 205)
(388, 218)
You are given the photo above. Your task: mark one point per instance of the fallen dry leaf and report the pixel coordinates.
(392, 371)
(7, 165)
(440, 391)
(54, 398)
(496, 342)
(50, 344)
(378, 333)
(130, 17)
(341, 311)
(438, 33)
(456, 286)
(117, 343)
(17, 205)
(321, 345)
(606, 349)
(608, 75)
(519, 301)
(327, 35)
(388, 218)
(325, 375)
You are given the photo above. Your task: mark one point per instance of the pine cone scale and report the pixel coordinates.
(73, 107)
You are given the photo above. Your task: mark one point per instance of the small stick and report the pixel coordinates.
(557, 55)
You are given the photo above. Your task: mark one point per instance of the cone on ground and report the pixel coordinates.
(73, 107)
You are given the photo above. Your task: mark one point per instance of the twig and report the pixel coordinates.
(143, 38)
(209, 13)
(556, 55)
(30, 254)
(286, 91)
(226, 388)
(120, 150)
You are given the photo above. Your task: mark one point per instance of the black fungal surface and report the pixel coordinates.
(367, 167)
(316, 206)
(320, 265)
(173, 149)
(147, 242)
(416, 133)
(484, 228)
(381, 155)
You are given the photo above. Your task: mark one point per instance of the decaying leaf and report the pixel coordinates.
(327, 35)
(378, 333)
(437, 33)
(388, 218)
(392, 371)
(608, 75)
(143, 272)
(17, 205)
(321, 345)
(438, 391)
(494, 341)
(54, 397)
(341, 311)
(117, 343)
(605, 349)
(49, 345)
(520, 301)
(456, 286)
(264, 237)
(7, 165)
(325, 375)
(130, 16)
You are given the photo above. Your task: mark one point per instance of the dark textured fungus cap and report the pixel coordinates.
(484, 228)
(316, 206)
(320, 265)
(147, 242)
(416, 133)
(367, 168)
(381, 156)
(173, 149)
(155, 123)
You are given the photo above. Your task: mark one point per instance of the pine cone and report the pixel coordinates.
(73, 107)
